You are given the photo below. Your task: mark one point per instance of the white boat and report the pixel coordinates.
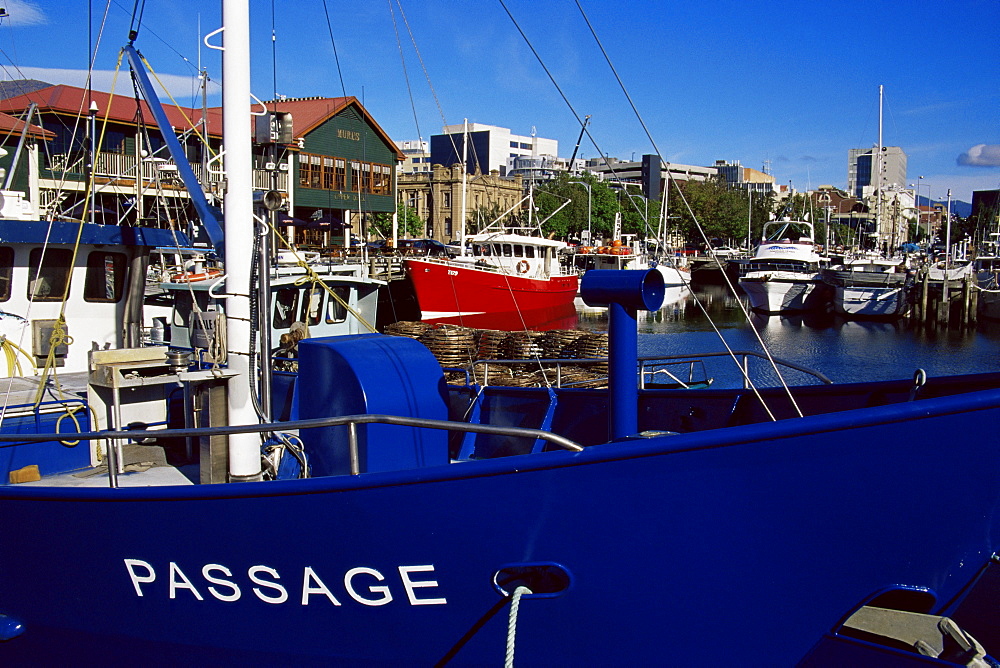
(784, 274)
(987, 267)
(870, 287)
(624, 254)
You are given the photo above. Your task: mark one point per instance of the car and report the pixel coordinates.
(725, 252)
(423, 247)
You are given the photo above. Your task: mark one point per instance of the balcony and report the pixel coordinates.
(118, 169)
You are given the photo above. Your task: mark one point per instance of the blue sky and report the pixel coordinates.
(793, 85)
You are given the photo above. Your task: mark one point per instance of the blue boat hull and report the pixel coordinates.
(746, 544)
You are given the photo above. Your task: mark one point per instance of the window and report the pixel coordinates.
(513, 144)
(286, 303)
(355, 174)
(529, 251)
(105, 281)
(48, 274)
(312, 306)
(327, 173)
(340, 174)
(518, 250)
(446, 200)
(321, 172)
(335, 310)
(508, 251)
(6, 270)
(366, 177)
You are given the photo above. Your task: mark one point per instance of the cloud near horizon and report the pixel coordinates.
(981, 155)
(180, 87)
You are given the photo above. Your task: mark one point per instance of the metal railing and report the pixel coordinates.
(649, 367)
(123, 166)
(350, 421)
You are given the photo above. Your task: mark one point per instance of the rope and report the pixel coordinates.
(314, 278)
(515, 604)
(10, 350)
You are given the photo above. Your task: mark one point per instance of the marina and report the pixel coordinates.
(239, 428)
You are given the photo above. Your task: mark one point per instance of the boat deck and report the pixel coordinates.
(135, 475)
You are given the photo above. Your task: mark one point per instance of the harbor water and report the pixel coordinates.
(842, 350)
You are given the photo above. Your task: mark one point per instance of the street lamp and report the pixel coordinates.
(586, 185)
(916, 205)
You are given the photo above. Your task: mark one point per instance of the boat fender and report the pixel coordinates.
(522, 267)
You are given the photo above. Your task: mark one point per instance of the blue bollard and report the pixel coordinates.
(624, 293)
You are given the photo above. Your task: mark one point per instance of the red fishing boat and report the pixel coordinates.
(509, 282)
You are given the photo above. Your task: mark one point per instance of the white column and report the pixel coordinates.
(244, 449)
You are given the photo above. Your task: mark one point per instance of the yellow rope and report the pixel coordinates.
(313, 277)
(59, 335)
(10, 351)
(191, 124)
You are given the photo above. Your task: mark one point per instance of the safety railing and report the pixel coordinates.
(678, 369)
(350, 421)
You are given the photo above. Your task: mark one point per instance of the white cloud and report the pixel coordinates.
(981, 155)
(180, 87)
(23, 13)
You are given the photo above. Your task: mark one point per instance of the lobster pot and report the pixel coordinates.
(452, 346)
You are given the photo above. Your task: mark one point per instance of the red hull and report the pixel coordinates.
(463, 295)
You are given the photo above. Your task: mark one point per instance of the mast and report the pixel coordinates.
(947, 241)
(878, 171)
(244, 449)
(465, 182)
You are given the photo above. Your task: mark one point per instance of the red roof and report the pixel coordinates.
(308, 113)
(120, 108)
(14, 126)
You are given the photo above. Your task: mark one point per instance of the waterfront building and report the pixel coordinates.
(416, 156)
(745, 178)
(492, 148)
(436, 198)
(342, 165)
(327, 158)
(643, 173)
(862, 169)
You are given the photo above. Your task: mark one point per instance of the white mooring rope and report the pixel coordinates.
(515, 602)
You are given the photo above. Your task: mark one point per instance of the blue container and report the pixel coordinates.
(371, 373)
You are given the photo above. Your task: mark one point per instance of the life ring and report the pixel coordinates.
(193, 278)
(522, 267)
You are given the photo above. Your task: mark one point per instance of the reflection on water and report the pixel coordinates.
(845, 350)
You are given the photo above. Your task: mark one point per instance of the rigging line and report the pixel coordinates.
(192, 126)
(683, 199)
(138, 9)
(427, 76)
(746, 314)
(406, 74)
(333, 43)
(580, 121)
(165, 43)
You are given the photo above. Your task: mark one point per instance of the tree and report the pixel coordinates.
(410, 224)
(710, 209)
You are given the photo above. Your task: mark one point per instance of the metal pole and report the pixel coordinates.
(244, 450)
(947, 242)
